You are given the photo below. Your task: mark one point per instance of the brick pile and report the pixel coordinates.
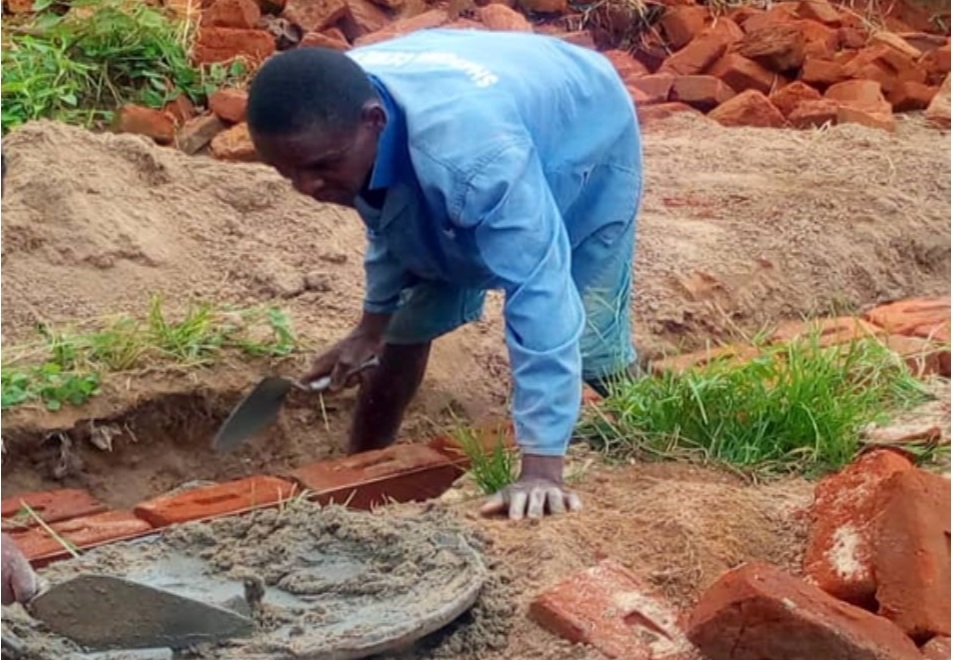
(800, 64)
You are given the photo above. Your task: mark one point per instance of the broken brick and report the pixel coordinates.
(363, 18)
(758, 611)
(860, 94)
(749, 108)
(545, 6)
(886, 66)
(428, 20)
(819, 10)
(908, 96)
(696, 57)
(657, 87)
(653, 113)
(915, 317)
(608, 608)
(582, 38)
(501, 18)
(702, 92)
(212, 501)
(912, 553)
(197, 133)
(215, 44)
(883, 120)
(936, 64)
(39, 546)
(733, 353)
(851, 38)
(790, 96)
(742, 74)
(828, 331)
(322, 40)
(839, 556)
(683, 23)
(938, 112)
(779, 47)
(152, 123)
(724, 30)
(243, 14)
(938, 648)
(885, 38)
(822, 73)
(626, 66)
(50, 505)
(229, 104)
(314, 15)
(234, 144)
(820, 41)
(180, 108)
(813, 114)
(400, 473)
(922, 356)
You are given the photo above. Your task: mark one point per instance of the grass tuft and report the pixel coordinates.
(492, 471)
(798, 406)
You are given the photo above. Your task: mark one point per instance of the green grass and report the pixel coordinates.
(67, 368)
(491, 471)
(80, 69)
(796, 407)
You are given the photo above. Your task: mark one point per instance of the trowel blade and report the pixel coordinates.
(257, 410)
(102, 612)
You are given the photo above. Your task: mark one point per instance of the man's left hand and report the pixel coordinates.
(539, 490)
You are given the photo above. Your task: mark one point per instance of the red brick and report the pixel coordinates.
(314, 15)
(822, 73)
(912, 553)
(938, 112)
(155, 124)
(883, 120)
(779, 47)
(886, 66)
(50, 505)
(908, 96)
(695, 57)
(322, 40)
(242, 14)
(402, 473)
(938, 648)
(790, 96)
(915, 317)
(758, 611)
(851, 37)
(740, 15)
(234, 144)
(735, 353)
(683, 23)
(608, 608)
(363, 18)
(724, 30)
(750, 108)
(829, 331)
(860, 94)
(19, 6)
(810, 114)
(839, 556)
(819, 10)
(653, 113)
(215, 44)
(582, 38)
(895, 41)
(229, 104)
(503, 19)
(84, 532)
(702, 92)
(213, 501)
(936, 63)
(657, 86)
(820, 41)
(627, 66)
(923, 356)
(429, 19)
(181, 109)
(197, 133)
(742, 74)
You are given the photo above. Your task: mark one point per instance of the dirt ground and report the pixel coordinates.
(739, 228)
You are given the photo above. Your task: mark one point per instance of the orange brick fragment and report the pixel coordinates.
(916, 317)
(50, 505)
(84, 532)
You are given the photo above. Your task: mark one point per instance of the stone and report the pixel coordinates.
(822, 73)
(216, 44)
(779, 47)
(742, 74)
(197, 133)
(938, 112)
(152, 123)
(682, 23)
(758, 611)
(234, 144)
(229, 104)
(702, 92)
(749, 108)
(314, 15)
(790, 96)
(500, 17)
(243, 14)
(912, 553)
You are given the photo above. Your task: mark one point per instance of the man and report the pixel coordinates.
(477, 160)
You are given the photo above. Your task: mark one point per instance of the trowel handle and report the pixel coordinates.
(322, 384)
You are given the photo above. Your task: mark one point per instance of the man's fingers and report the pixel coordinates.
(24, 583)
(537, 502)
(554, 500)
(496, 504)
(518, 505)
(574, 502)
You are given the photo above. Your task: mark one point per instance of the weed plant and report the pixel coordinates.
(492, 471)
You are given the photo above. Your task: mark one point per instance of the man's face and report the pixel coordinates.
(329, 167)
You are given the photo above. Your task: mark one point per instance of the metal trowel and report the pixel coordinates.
(102, 613)
(261, 406)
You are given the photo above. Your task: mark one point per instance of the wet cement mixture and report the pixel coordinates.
(329, 580)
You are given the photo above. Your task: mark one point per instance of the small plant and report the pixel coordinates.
(795, 406)
(79, 68)
(491, 471)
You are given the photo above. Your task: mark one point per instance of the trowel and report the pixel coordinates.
(102, 613)
(261, 406)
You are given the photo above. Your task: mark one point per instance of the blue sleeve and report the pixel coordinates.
(522, 239)
(384, 277)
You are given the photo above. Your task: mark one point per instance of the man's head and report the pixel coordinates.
(315, 116)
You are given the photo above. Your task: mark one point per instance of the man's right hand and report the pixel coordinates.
(19, 581)
(345, 357)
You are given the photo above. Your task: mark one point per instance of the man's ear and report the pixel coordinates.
(374, 116)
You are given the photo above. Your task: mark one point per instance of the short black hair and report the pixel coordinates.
(306, 88)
